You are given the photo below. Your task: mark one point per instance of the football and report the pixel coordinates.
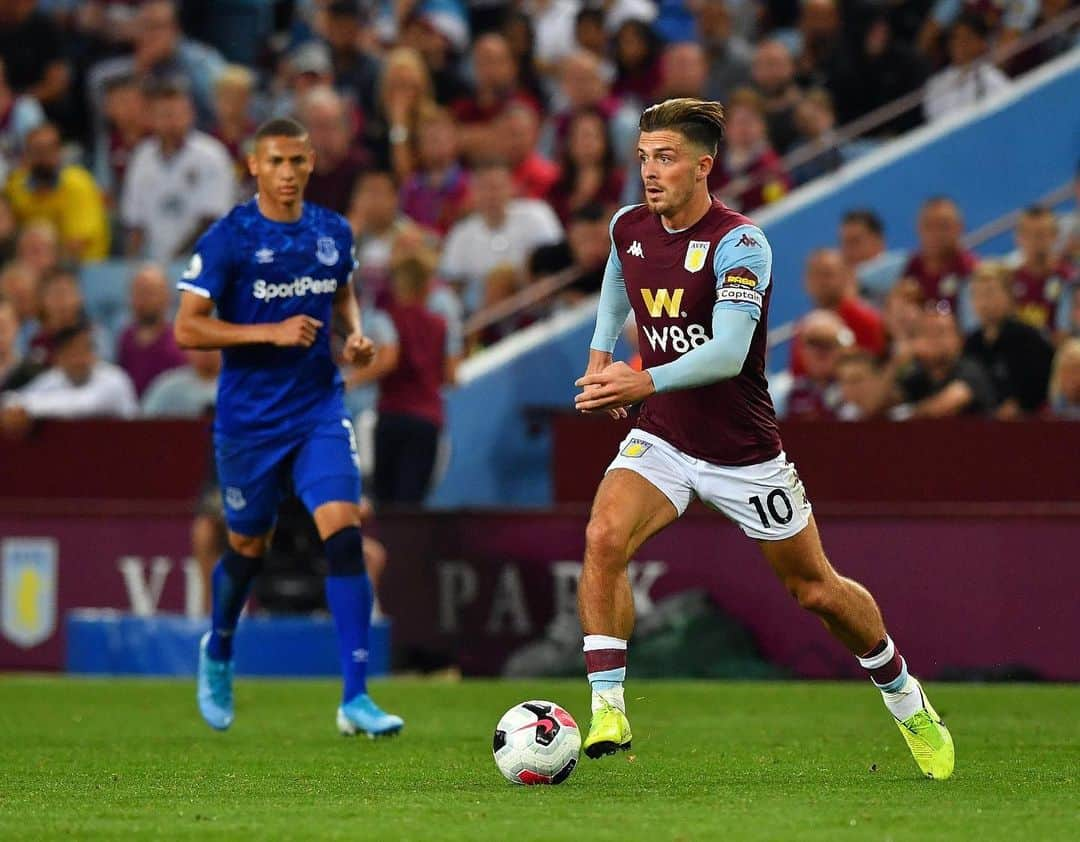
(536, 742)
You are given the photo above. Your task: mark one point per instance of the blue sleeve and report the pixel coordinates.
(208, 270)
(742, 262)
(721, 357)
(614, 304)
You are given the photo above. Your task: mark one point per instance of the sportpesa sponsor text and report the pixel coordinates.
(301, 286)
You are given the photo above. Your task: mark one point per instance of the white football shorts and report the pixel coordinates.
(767, 500)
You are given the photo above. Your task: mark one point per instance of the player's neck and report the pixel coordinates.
(278, 211)
(689, 213)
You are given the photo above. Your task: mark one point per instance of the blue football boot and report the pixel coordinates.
(215, 688)
(361, 714)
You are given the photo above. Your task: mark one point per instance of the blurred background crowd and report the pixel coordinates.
(478, 149)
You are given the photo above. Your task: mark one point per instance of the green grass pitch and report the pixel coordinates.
(131, 759)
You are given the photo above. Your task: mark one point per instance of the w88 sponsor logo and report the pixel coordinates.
(680, 340)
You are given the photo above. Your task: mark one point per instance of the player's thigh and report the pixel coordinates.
(250, 476)
(326, 476)
(767, 500)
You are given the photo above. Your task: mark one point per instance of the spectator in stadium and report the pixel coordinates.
(305, 68)
(882, 68)
(501, 229)
(553, 31)
(824, 55)
(773, 74)
(937, 380)
(189, 391)
(376, 219)
(862, 244)
(146, 348)
(830, 283)
(410, 403)
(33, 51)
(1065, 382)
(234, 124)
(1042, 279)
(19, 286)
(436, 38)
(391, 131)
(9, 230)
(436, 195)
(355, 69)
(37, 245)
(747, 173)
(78, 385)
(861, 386)
(327, 117)
(684, 71)
(500, 285)
(815, 395)
(941, 265)
(588, 173)
(162, 53)
(19, 113)
(815, 119)
(180, 180)
(44, 188)
(970, 77)
(591, 36)
(1016, 355)
(727, 53)
(902, 313)
(496, 86)
(519, 132)
(9, 334)
(638, 74)
(125, 125)
(60, 305)
(1069, 240)
(583, 254)
(1008, 18)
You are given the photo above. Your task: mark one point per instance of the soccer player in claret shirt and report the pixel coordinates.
(277, 270)
(697, 276)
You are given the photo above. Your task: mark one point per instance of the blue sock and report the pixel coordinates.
(231, 583)
(348, 593)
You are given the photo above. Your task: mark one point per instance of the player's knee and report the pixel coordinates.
(252, 546)
(605, 541)
(345, 552)
(815, 595)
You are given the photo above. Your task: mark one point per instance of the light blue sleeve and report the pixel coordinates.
(614, 304)
(742, 262)
(379, 327)
(721, 357)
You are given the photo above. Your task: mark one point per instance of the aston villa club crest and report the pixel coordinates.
(696, 253)
(326, 250)
(28, 586)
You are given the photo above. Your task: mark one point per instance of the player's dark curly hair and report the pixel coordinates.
(699, 121)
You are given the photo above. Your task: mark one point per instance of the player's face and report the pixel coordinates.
(671, 168)
(281, 167)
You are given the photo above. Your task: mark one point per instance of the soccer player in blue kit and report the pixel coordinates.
(267, 283)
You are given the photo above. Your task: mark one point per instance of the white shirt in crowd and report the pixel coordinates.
(956, 88)
(108, 392)
(167, 197)
(472, 249)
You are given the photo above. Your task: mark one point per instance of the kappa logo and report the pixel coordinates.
(635, 448)
(662, 301)
(746, 241)
(29, 587)
(326, 251)
(264, 255)
(636, 250)
(696, 253)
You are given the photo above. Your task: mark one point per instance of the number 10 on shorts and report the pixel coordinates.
(777, 505)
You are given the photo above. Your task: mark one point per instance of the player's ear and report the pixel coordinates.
(253, 165)
(704, 166)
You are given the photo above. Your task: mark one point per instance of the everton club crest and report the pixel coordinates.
(326, 251)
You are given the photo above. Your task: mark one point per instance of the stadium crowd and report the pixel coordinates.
(478, 149)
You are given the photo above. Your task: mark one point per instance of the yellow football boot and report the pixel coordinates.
(609, 731)
(930, 742)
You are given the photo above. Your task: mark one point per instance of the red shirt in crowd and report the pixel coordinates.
(468, 111)
(534, 176)
(765, 178)
(810, 401)
(608, 195)
(145, 362)
(1038, 295)
(415, 386)
(944, 284)
(861, 319)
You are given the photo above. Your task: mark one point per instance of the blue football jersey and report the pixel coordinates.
(257, 271)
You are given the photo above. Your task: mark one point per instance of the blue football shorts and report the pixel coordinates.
(320, 466)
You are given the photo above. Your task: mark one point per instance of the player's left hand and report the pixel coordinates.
(616, 386)
(359, 349)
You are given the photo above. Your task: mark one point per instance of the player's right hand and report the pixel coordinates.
(296, 331)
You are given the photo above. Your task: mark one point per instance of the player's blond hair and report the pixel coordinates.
(699, 121)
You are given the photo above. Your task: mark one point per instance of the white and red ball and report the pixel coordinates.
(536, 742)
